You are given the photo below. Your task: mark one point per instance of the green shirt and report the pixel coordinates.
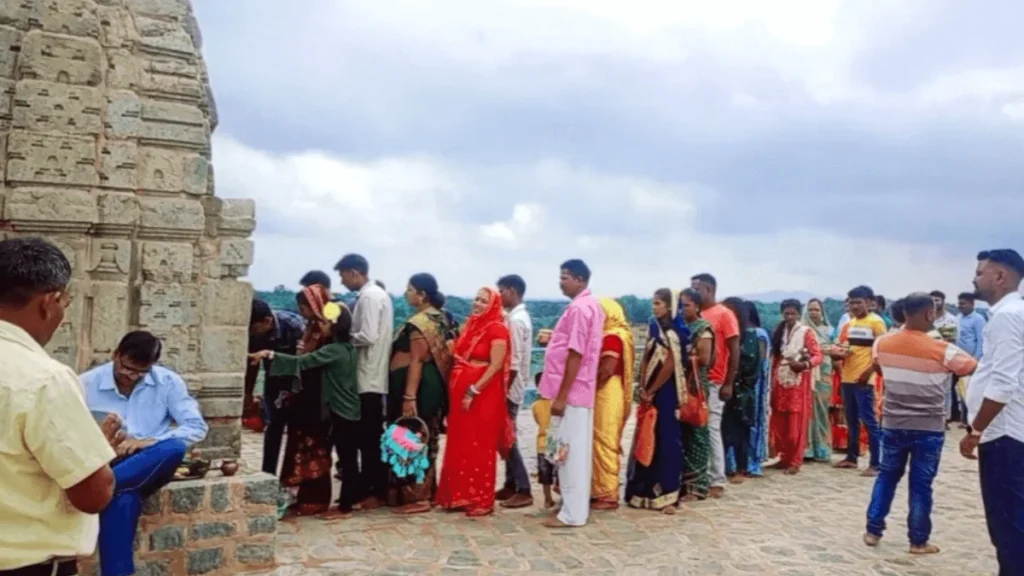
(338, 360)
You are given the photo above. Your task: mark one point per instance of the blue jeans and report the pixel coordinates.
(516, 476)
(1001, 469)
(859, 405)
(136, 477)
(923, 450)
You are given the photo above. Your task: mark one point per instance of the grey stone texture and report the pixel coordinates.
(106, 113)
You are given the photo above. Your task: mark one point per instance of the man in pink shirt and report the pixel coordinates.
(569, 381)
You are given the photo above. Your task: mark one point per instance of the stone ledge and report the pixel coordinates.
(215, 526)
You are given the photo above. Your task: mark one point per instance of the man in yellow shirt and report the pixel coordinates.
(856, 339)
(54, 458)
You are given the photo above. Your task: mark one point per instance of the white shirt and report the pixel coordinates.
(373, 327)
(947, 325)
(1000, 373)
(520, 328)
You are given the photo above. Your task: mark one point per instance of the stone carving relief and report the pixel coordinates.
(105, 122)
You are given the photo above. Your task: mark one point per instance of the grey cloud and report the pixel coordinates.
(951, 175)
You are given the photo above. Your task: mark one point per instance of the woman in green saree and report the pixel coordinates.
(696, 439)
(418, 384)
(819, 433)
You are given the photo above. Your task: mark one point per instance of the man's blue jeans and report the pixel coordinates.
(859, 405)
(516, 476)
(923, 450)
(1001, 469)
(136, 477)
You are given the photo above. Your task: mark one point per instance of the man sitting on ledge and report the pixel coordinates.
(147, 398)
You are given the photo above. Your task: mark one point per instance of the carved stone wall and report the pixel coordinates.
(105, 121)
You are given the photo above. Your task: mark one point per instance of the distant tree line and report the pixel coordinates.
(544, 313)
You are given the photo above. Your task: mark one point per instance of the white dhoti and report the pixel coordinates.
(576, 429)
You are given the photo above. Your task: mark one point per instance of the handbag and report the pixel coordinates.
(646, 421)
(694, 409)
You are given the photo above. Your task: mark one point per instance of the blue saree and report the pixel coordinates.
(759, 431)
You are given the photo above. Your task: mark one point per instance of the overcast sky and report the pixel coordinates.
(786, 145)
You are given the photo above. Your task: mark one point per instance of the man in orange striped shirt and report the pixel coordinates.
(918, 370)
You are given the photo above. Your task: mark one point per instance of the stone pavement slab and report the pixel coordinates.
(805, 525)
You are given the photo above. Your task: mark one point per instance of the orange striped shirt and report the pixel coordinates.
(918, 373)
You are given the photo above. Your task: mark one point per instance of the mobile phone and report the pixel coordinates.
(99, 416)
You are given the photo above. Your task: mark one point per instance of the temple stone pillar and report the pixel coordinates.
(105, 121)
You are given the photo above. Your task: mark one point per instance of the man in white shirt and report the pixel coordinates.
(995, 403)
(516, 492)
(373, 327)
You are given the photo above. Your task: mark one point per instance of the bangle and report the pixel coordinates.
(472, 391)
(409, 398)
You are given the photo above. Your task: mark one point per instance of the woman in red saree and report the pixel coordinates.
(477, 410)
(796, 357)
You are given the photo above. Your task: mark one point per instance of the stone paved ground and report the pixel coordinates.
(810, 524)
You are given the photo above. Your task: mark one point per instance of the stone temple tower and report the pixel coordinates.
(105, 121)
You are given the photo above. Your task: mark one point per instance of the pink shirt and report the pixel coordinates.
(580, 329)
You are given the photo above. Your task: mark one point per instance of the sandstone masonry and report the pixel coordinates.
(105, 121)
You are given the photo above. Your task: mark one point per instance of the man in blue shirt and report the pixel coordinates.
(970, 337)
(280, 331)
(160, 419)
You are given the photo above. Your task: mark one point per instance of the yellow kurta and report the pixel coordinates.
(613, 403)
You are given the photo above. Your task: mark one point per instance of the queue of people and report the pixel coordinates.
(717, 396)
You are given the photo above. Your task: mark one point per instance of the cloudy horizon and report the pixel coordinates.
(799, 145)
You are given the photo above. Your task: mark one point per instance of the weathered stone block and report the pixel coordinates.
(7, 88)
(167, 538)
(220, 498)
(212, 530)
(255, 554)
(163, 37)
(172, 216)
(111, 257)
(58, 58)
(187, 499)
(153, 568)
(230, 217)
(224, 440)
(109, 321)
(220, 407)
(10, 47)
(45, 159)
(71, 17)
(172, 123)
(167, 262)
(227, 303)
(222, 349)
(64, 345)
(66, 206)
(122, 68)
(205, 561)
(42, 106)
(179, 347)
(266, 524)
(170, 9)
(196, 175)
(119, 164)
(264, 491)
(116, 27)
(169, 78)
(166, 305)
(165, 170)
(152, 505)
(117, 211)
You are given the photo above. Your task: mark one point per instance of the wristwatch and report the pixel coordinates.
(976, 433)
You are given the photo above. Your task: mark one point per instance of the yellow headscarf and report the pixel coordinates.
(615, 324)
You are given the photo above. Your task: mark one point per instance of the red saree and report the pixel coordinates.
(791, 395)
(474, 435)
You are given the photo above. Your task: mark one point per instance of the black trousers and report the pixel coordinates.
(345, 437)
(276, 419)
(373, 474)
(736, 435)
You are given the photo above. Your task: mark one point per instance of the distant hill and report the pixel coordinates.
(779, 296)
